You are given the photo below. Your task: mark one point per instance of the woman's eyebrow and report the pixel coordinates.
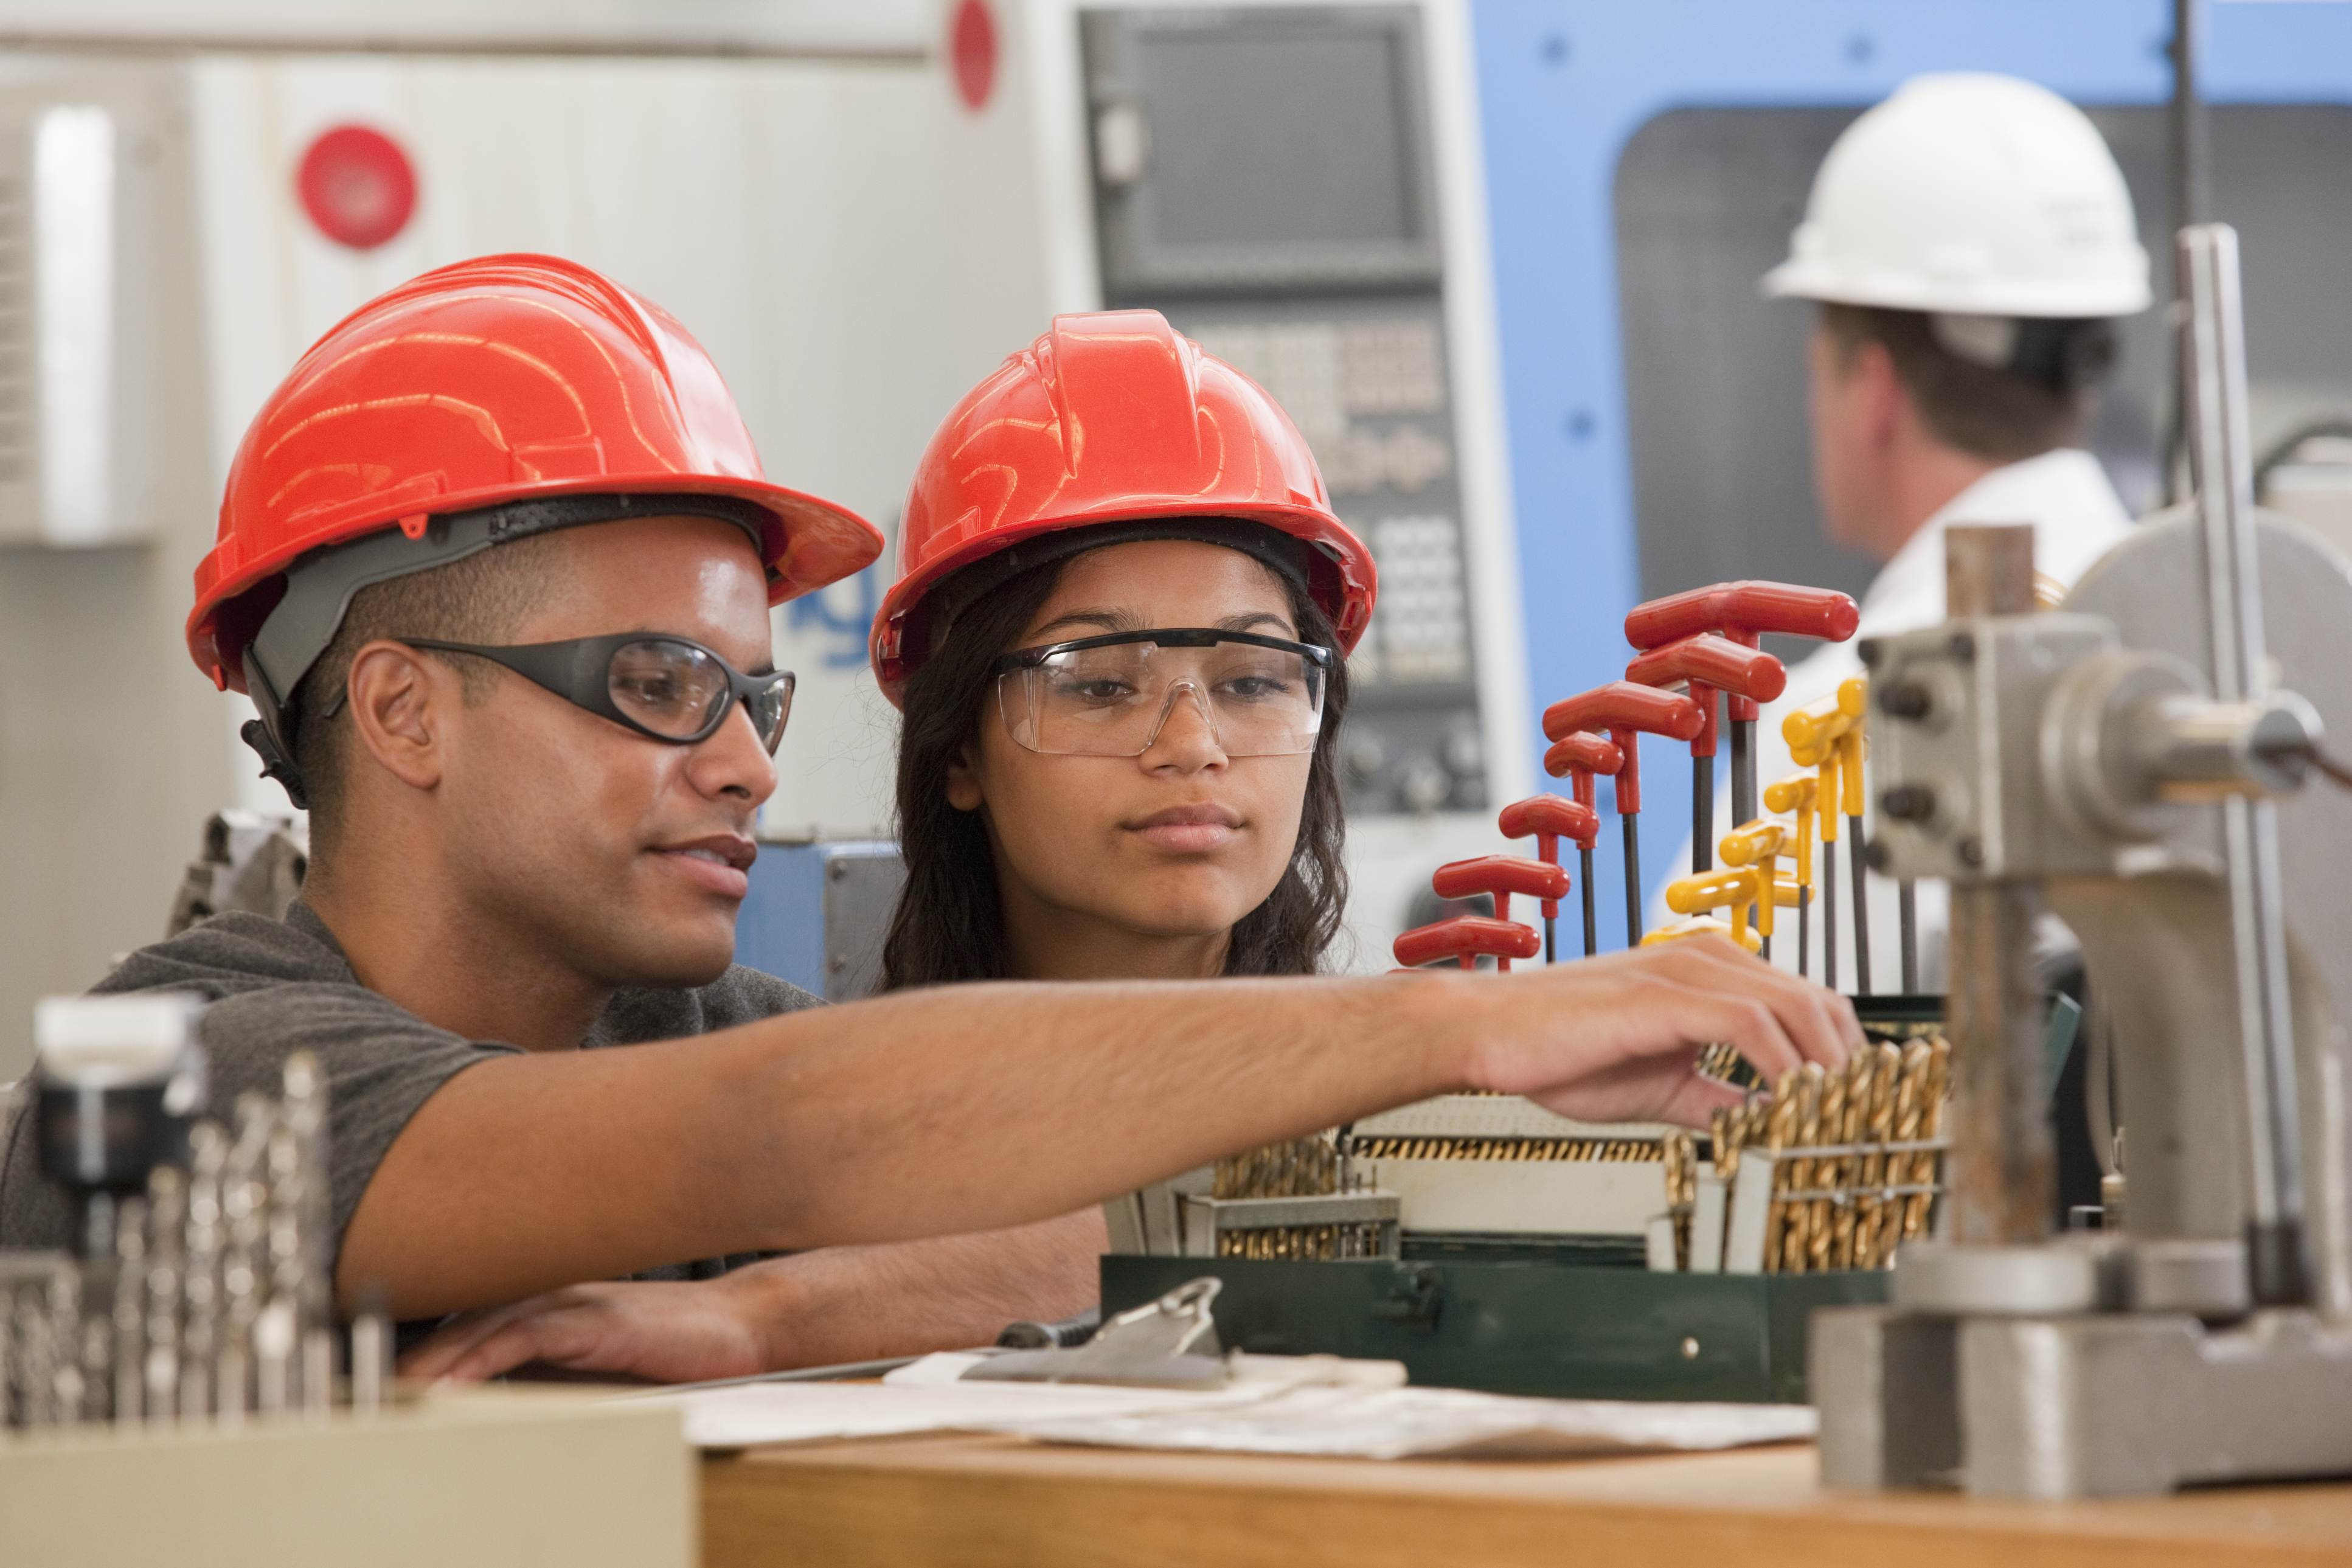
(1122, 621)
(1256, 618)
(1108, 620)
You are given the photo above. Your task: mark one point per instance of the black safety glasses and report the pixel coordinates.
(666, 687)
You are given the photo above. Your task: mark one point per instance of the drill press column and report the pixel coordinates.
(2003, 1169)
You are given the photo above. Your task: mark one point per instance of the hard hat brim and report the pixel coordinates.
(1801, 279)
(813, 542)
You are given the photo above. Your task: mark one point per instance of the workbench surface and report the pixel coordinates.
(1000, 1502)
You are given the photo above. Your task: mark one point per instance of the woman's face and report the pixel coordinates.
(1137, 866)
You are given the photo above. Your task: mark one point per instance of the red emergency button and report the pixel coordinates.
(357, 186)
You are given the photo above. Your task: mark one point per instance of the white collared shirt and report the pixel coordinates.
(2077, 516)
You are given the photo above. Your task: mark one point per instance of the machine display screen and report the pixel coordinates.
(1314, 120)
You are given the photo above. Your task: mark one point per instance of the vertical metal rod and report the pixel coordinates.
(1592, 920)
(1702, 814)
(1632, 879)
(2220, 455)
(1551, 939)
(1743, 772)
(2189, 163)
(1906, 904)
(1861, 907)
(1804, 931)
(2003, 1166)
(1829, 916)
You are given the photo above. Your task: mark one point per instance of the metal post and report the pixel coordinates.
(2189, 164)
(2220, 455)
(1592, 920)
(2003, 1170)
(1906, 904)
(1829, 914)
(1804, 929)
(1702, 814)
(1632, 879)
(1861, 905)
(1743, 770)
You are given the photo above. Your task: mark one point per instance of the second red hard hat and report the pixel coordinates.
(1111, 417)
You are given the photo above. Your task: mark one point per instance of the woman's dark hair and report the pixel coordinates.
(950, 923)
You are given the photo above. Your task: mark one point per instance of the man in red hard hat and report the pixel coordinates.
(495, 564)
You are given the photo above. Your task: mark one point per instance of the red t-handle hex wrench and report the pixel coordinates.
(1740, 611)
(1548, 819)
(1706, 663)
(1501, 876)
(1467, 938)
(1627, 712)
(1577, 758)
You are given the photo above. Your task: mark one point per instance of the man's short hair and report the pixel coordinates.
(2003, 415)
(483, 598)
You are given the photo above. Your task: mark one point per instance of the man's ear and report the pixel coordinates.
(963, 780)
(397, 699)
(1884, 401)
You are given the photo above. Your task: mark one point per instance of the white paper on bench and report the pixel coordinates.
(1429, 1422)
(927, 1397)
(1280, 1405)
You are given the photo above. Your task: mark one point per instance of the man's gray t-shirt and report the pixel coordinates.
(277, 987)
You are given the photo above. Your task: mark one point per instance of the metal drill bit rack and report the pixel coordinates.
(201, 1298)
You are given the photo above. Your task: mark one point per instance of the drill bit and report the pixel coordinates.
(167, 1206)
(129, 1308)
(69, 1387)
(200, 1334)
(245, 1205)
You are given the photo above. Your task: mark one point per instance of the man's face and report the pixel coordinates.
(620, 857)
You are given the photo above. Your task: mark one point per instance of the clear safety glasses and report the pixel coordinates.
(1109, 696)
(668, 688)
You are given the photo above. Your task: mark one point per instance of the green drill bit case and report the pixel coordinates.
(1565, 1317)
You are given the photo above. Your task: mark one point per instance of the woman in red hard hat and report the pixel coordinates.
(1119, 637)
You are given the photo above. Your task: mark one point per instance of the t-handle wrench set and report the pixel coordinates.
(1697, 665)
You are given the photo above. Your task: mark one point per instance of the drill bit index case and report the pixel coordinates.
(1519, 1238)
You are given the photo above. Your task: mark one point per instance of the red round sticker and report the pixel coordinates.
(357, 186)
(972, 49)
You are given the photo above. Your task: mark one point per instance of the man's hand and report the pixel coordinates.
(687, 1331)
(1638, 1019)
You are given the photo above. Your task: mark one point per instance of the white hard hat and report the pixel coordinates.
(1971, 194)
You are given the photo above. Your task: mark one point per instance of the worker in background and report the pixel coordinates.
(1969, 243)
(495, 562)
(1117, 762)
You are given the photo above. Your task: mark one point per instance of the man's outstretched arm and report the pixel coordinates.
(976, 1107)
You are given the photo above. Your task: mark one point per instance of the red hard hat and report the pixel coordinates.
(504, 379)
(1107, 418)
